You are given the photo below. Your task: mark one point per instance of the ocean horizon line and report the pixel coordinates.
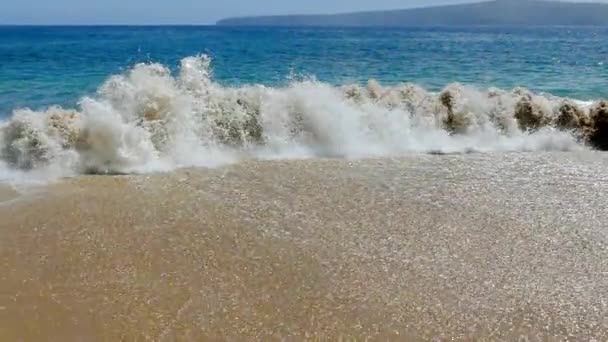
(329, 27)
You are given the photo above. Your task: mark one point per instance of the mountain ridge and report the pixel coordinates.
(484, 13)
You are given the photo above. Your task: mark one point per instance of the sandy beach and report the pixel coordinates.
(464, 247)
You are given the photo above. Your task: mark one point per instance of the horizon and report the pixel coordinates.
(138, 13)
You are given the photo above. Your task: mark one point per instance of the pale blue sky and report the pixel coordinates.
(179, 11)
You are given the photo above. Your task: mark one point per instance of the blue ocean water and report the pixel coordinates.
(42, 66)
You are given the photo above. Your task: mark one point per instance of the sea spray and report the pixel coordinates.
(148, 119)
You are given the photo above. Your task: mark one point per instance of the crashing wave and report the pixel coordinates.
(148, 119)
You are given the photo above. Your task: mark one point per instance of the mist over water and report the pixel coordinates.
(150, 119)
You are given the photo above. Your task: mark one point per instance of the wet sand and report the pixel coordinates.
(7, 193)
(466, 247)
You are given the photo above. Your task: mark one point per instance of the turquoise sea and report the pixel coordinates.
(142, 99)
(41, 66)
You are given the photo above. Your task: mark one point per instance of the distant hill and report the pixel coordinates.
(498, 12)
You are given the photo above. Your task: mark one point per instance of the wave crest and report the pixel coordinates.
(148, 119)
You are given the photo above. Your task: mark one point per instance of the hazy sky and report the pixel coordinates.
(179, 11)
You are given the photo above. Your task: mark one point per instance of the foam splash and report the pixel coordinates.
(150, 120)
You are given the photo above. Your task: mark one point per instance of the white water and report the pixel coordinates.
(149, 120)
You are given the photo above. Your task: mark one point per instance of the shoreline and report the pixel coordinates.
(7, 194)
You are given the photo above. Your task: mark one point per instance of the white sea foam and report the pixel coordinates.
(150, 120)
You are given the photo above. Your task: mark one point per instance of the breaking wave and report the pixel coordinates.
(149, 120)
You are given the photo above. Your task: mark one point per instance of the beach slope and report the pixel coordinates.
(491, 246)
